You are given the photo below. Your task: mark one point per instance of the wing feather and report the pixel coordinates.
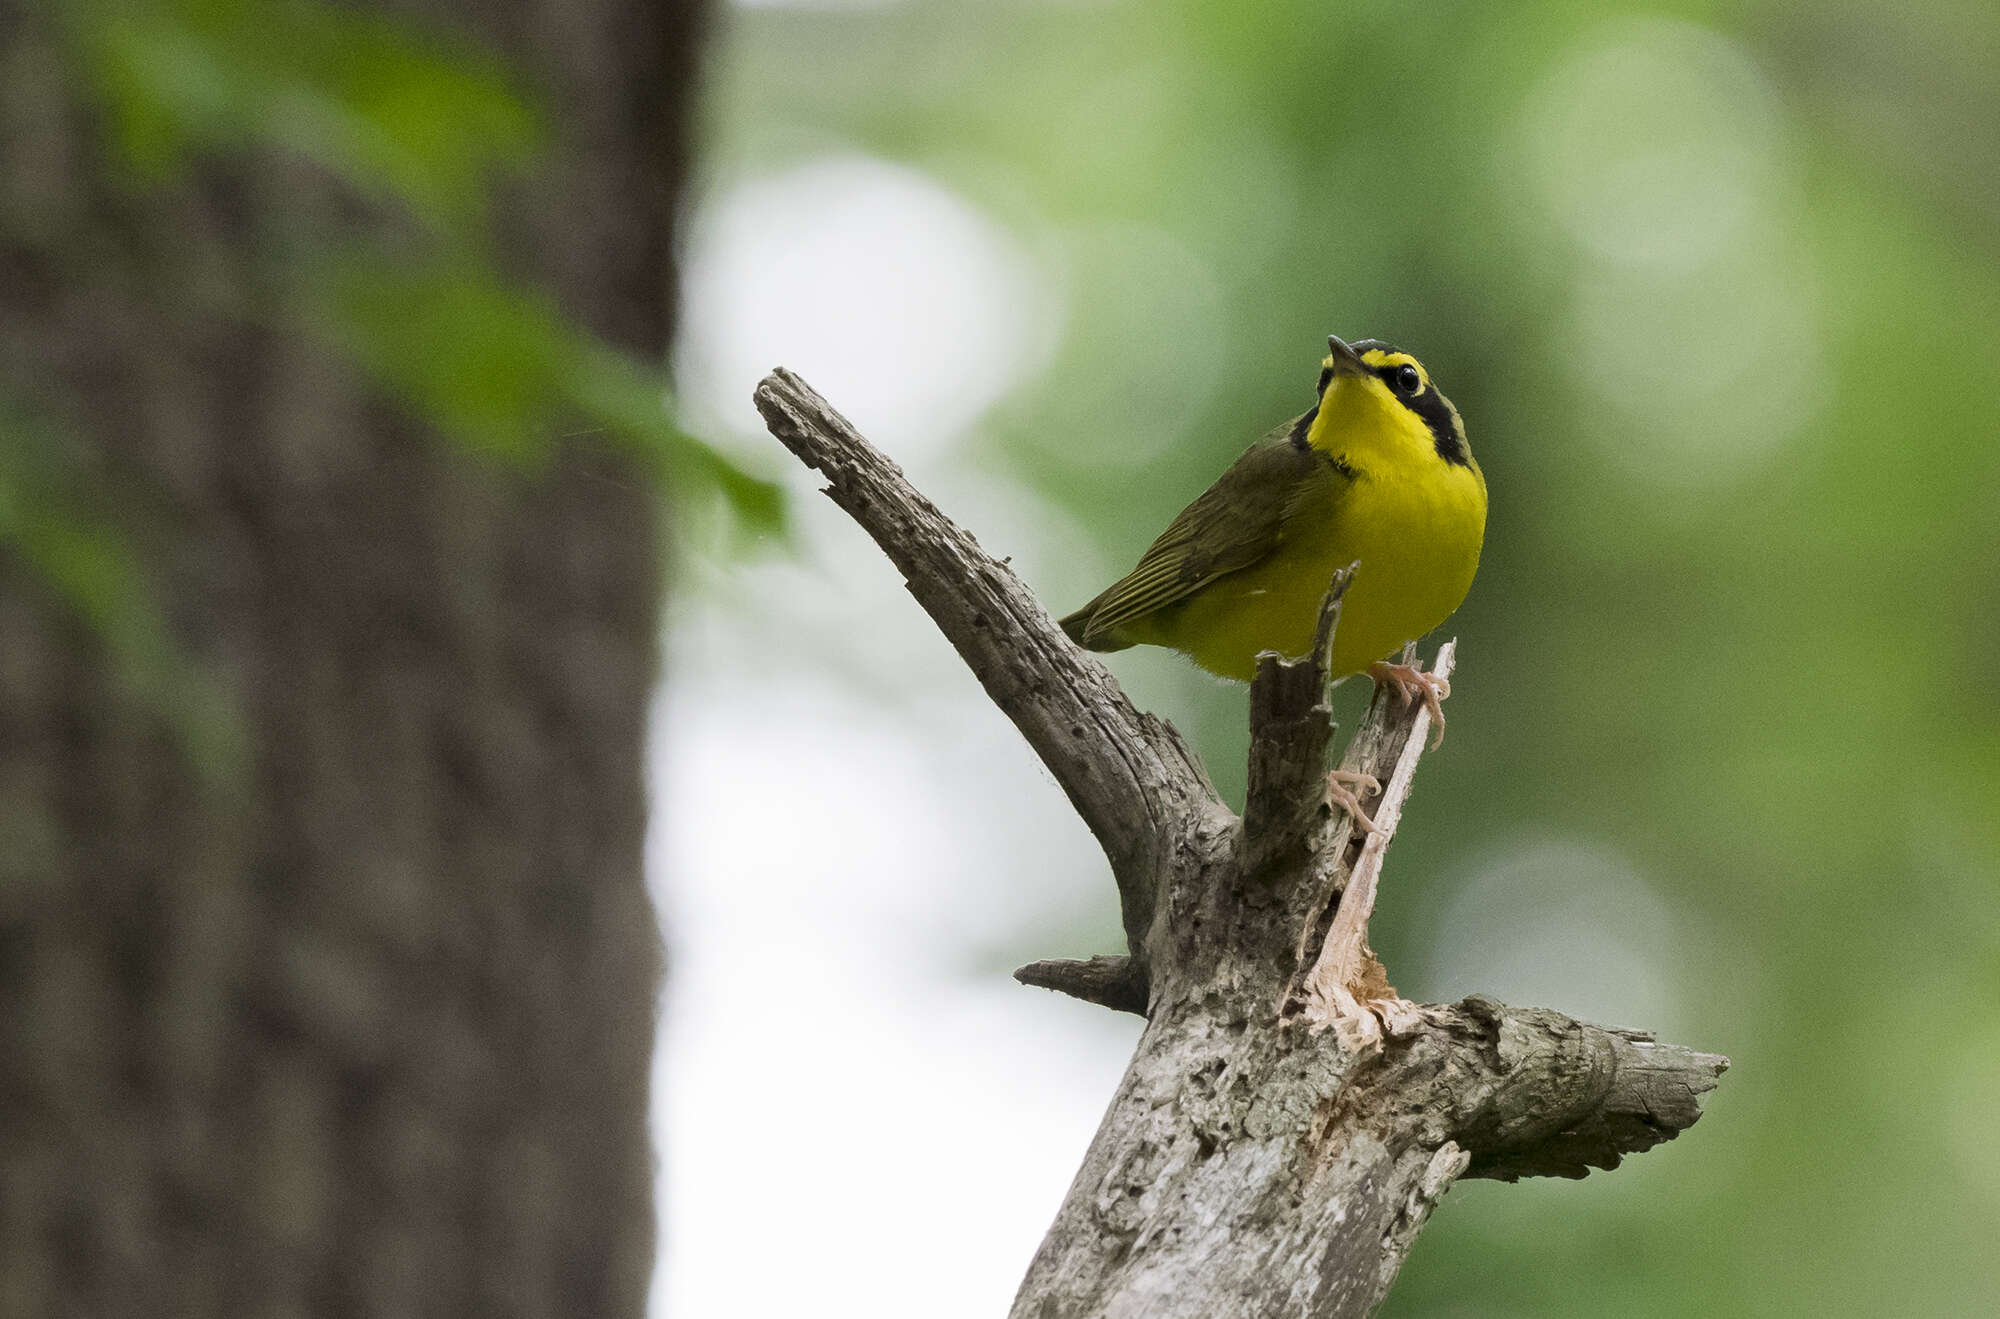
(1233, 525)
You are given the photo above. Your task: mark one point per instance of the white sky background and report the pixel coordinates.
(852, 844)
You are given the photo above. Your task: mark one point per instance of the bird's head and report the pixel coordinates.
(1377, 401)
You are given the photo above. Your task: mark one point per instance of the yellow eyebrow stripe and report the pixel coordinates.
(1379, 359)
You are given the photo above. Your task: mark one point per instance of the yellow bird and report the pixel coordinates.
(1377, 472)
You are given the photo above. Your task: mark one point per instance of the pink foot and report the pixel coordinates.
(1341, 786)
(1410, 683)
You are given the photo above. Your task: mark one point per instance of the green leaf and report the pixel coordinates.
(405, 115)
(500, 373)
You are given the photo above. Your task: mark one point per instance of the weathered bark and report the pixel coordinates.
(366, 1028)
(1287, 1123)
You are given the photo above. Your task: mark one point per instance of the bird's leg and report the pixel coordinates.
(1411, 683)
(1341, 785)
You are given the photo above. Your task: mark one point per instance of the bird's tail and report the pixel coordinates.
(1078, 627)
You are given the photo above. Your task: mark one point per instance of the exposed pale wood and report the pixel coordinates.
(1344, 985)
(1286, 1124)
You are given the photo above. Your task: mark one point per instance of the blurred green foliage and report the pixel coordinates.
(427, 125)
(423, 125)
(414, 120)
(495, 367)
(1717, 289)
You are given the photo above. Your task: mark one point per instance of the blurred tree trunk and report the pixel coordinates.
(368, 1031)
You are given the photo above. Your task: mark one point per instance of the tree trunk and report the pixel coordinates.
(365, 1026)
(1287, 1122)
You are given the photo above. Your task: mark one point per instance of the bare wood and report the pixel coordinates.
(1598, 1094)
(1344, 985)
(1284, 811)
(1286, 1124)
(1118, 983)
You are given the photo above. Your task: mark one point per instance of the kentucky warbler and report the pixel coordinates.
(1377, 472)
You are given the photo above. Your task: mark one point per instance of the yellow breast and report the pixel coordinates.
(1416, 538)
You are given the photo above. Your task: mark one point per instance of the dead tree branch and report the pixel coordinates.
(1129, 775)
(1287, 1122)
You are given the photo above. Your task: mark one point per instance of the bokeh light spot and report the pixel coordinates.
(1563, 925)
(1658, 149)
(1698, 378)
(1652, 143)
(884, 288)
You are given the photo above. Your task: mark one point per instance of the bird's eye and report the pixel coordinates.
(1324, 377)
(1407, 380)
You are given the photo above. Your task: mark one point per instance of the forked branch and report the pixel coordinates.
(1287, 1122)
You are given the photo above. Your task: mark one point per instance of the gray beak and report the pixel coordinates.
(1346, 362)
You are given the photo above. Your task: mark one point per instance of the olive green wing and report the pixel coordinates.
(1235, 523)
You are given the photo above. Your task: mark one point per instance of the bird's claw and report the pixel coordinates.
(1341, 786)
(1410, 683)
